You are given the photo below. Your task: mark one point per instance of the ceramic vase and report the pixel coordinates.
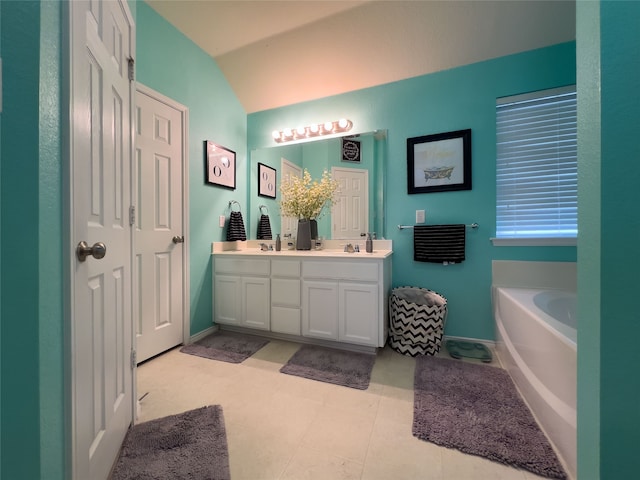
(303, 240)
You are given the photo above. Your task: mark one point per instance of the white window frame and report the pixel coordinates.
(502, 168)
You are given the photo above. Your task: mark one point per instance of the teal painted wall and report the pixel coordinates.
(20, 251)
(50, 239)
(450, 100)
(589, 237)
(173, 65)
(608, 415)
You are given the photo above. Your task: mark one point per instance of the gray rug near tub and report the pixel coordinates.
(330, 365)
(225, 346)
(477, 410)
(191, 445)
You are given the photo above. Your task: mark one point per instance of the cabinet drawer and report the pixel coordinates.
(242, 266)
(285, 268)
(285, 292)
(364, 271)
(285, 320)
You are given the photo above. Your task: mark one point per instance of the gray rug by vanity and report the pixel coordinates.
(330, 365)
(191, 445)
(476, 409)
(225, 346)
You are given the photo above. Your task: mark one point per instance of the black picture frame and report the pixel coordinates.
(219, 165)
(439, 162)
(266, 181)
(351, 150)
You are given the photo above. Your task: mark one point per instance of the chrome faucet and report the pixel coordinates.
(349, 248)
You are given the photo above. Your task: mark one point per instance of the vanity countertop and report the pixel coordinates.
(307, 253)
(252, 248)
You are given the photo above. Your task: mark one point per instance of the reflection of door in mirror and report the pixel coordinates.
(289, 225)
(350, 212)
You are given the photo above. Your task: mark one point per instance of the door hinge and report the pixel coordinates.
(132, 215)
(134, 361)
(131, 72)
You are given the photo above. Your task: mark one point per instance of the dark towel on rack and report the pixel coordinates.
(235, 229)
(439, 243)
(264, 228)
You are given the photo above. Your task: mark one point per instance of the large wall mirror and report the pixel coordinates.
(316, 156)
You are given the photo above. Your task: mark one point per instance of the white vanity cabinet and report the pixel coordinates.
(285, 296)
(343, 301)
(241, 292)
(329, 297)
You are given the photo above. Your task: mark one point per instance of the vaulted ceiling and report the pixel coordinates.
(276, 53)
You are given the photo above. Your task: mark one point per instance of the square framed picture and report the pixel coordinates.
(266, 181)
(220, 165)
(440, 162)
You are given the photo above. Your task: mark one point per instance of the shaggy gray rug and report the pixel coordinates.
(330, 365)
(229, 347)
(191, 445)
(477, 409)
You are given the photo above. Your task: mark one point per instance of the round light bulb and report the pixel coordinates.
(342, 123)
(287, 132)
(300, 131)
(328, 126)
(314, 128)
(275, 134)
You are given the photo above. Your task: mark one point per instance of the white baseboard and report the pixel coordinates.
(202, 334)
(488, 343)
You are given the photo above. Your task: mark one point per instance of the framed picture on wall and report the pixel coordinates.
(220, 165)
(440, 162)
(266, 181)
(351, 151)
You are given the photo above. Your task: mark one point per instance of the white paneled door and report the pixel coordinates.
(102, 387)
(160, 248)
(350, 212)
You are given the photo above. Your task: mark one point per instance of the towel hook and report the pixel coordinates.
(265, 208)
(232, 202)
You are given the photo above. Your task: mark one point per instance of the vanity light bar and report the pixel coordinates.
(315, 130)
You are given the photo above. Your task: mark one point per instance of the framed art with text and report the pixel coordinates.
(440, 162)
(220, 165)
(266, 181)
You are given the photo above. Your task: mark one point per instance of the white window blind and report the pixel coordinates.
(537, 167)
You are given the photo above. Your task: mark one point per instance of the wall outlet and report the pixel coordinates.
(221, 221)
(420, 216)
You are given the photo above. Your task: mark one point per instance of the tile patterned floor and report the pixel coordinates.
(285, 427)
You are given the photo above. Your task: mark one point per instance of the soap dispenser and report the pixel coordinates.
(278, 243)
(369, 244)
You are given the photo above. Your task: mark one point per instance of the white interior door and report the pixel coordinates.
(100, 164)
(350, 212)
(289, 225)
(160, 248)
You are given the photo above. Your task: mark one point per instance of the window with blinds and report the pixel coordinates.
(537, 167)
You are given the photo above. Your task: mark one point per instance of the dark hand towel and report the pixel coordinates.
(439, 243)
(235, 229)
(264, 228)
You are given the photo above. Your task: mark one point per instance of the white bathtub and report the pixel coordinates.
(536, 333)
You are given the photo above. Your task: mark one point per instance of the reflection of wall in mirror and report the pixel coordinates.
(316, 157)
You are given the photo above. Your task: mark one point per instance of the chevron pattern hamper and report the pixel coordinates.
(416, 320)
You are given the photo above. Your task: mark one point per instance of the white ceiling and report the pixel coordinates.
(276, 53)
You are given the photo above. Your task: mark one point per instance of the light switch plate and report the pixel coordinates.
(221, 221)
(420, 216)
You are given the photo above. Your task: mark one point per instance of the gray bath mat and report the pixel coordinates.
(191, 445)
(330, 365)
(226, 346)
(476, 409)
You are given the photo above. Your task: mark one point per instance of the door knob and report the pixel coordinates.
(178, 239)
(83, 250)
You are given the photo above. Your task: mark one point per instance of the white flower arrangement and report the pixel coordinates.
(303, 197)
